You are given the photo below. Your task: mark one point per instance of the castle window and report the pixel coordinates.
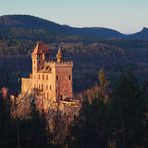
(50, 69)
(47, 67)
(46, 77)
(50, 87)
(46, 86)
(47, 96)
(61, 97)
(42, 86)
(43, 77)
(39, 76)
(69, 77)
(34, 61)
(57, 77)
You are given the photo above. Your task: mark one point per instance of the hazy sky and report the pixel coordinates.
(126, 16)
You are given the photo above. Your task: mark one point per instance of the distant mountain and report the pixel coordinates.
(27, 22)
(100, 32)
(142, 35)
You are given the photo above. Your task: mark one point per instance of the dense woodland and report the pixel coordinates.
(114, 56)
(117, 121)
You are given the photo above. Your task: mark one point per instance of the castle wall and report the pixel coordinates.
(64, 80)
(46, 83)
(25, 87)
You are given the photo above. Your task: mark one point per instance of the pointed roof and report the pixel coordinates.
(40, 48)
(59, 54)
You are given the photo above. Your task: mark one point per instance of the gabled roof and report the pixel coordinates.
(40, 48)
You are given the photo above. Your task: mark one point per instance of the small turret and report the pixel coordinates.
(59, 55)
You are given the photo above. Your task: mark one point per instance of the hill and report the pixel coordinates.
(16, 23)
(90, 48)
(141, 35)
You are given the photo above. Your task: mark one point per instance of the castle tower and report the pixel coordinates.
(38, 56)
(63, 71)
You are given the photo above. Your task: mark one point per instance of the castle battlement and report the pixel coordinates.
(62, 62)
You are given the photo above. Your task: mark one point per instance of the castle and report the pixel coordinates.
(51, 76)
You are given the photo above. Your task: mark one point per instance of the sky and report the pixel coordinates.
(126, 16)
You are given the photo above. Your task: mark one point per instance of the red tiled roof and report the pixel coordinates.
(40, 48)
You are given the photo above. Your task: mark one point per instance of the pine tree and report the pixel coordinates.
(127, 112)
(103, 83)
(89, 128)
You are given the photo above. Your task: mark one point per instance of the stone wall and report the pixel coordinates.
(26, 86)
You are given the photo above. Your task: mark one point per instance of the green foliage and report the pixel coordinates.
(89, 128)
(127, 112)
(122, 121)
(103, 83)
(26, 133)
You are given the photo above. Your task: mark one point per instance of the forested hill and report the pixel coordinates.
(29, 25)
(90, 48)
(14, 23)
(18, 34)
(141, 35)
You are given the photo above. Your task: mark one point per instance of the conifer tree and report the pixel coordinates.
(103, 83)
(127, 112)
(89, 128)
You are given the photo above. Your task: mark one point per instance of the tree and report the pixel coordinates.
(8, 132)
(32, 131)
(22, 133)
(127, 112)
(89, 128)
(103, 83)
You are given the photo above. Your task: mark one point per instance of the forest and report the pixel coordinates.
(116, 118)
